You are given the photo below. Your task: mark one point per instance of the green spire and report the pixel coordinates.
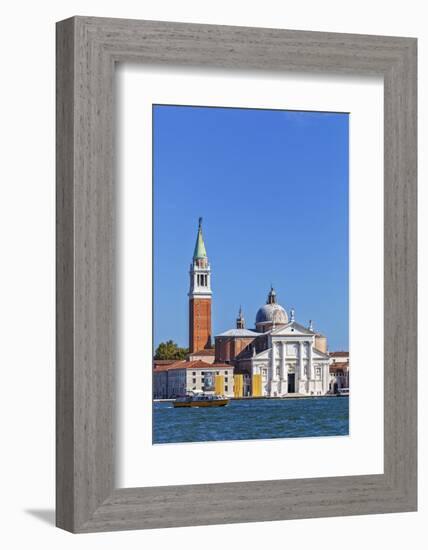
(200, 251)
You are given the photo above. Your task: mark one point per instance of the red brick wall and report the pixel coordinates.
(228, 348)
(240, 344)
(222, 349)
(199, 323)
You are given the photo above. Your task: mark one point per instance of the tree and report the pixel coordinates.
(170, 350)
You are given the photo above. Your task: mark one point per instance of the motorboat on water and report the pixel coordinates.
(201, 400)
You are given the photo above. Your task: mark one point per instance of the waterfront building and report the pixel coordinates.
(181, 377)
(279, 357)
(339, 371)
(339, 357)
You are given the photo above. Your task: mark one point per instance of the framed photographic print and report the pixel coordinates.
(236, 227)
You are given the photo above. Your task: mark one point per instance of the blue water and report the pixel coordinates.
(252, 419)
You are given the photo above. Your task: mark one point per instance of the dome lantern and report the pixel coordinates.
(271, 299)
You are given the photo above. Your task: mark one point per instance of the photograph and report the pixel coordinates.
(251, 274)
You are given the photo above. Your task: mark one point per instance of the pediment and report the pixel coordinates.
(292, 329)
(262, 355)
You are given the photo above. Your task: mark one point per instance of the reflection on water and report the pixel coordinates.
(252, 419)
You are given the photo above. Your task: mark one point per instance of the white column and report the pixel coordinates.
(310, 365)
(273, 366)
(283, 372)
(326, 378)
(301, 371)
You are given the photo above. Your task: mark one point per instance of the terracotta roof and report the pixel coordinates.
(339, 354)
(339, 367)
(222, 365)
(164, 361)
(198, 364)
(203, 352)
(170, 366)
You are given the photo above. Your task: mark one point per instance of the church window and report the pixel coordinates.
(226, 388)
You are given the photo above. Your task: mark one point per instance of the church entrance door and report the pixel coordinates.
(291, 383)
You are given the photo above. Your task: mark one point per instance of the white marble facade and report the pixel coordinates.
(291, 363)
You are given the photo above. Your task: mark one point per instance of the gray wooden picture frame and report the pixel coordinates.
(87, 51)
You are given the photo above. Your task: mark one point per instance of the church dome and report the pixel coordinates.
(271, 313)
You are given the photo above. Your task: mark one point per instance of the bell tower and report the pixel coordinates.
(200, 297)
(240, 321)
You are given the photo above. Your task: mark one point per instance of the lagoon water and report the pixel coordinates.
(252, 419)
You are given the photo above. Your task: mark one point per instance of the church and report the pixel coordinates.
(278, 357)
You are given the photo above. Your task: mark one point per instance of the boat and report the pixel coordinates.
(343, 392)
(201, 400)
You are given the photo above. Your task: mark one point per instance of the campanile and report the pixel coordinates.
(200, 297)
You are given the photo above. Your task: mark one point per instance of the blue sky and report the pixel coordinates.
(272, 188)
